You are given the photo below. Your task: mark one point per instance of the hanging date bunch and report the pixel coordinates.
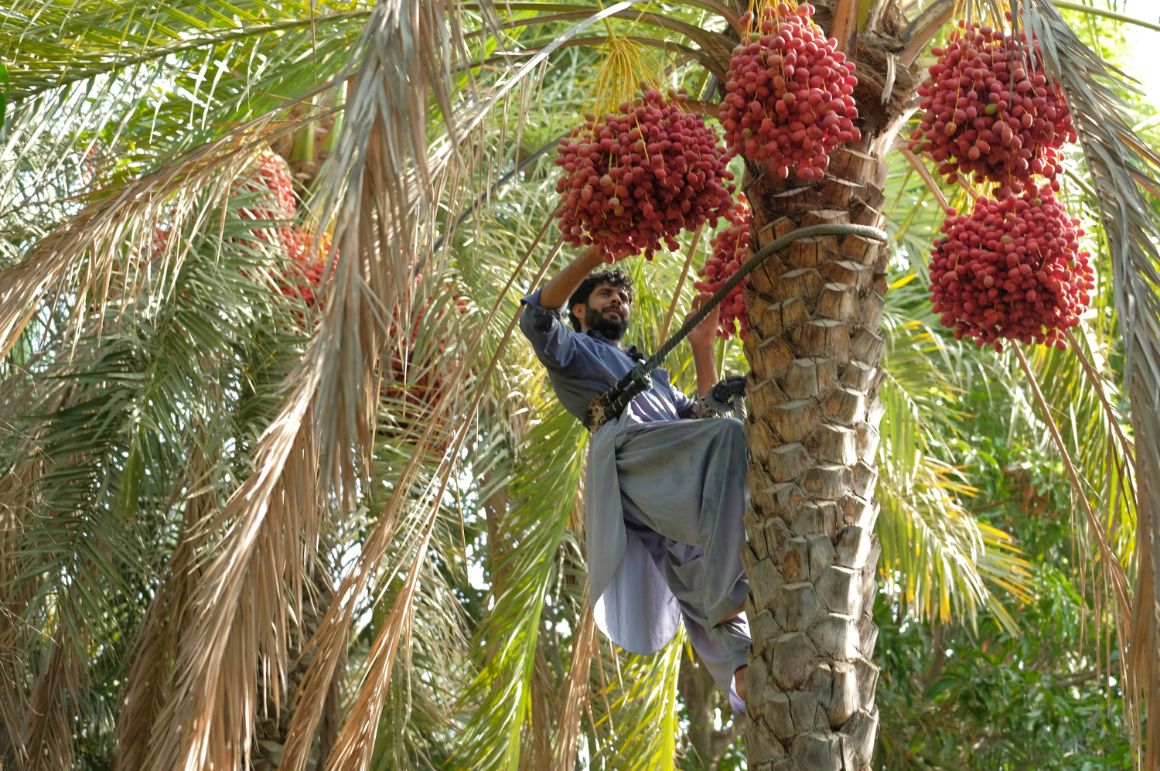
(1012, 269)
(989, 112)
(789, 98)
(417, 371)
(271, 204)
(732, 246)
(307, 266)
(634, 180)
(271, 199)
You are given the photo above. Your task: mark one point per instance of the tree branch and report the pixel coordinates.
(845, 25)
(922, 30)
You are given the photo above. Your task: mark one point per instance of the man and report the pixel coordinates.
(665, 492)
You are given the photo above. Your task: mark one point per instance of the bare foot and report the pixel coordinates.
(739, 683)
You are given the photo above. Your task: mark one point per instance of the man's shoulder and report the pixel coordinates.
(536, 318)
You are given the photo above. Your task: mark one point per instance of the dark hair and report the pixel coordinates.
(614, 277)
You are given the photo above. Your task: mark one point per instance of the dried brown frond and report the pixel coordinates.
(84, 254)
(48, 733)
(1112, 575)
(1113, 571)
(538, 741)
(240, 615)
(15, 504)
(36, 724)
(574, 694)
(356, 739)
(87, 256)
(1144, 642)
(355, 743)
(924, 174)
(691, 253)
(149, 680)
(331, 638)
(383, 191)
(1119, 162)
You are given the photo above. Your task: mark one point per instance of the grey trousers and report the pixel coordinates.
(684, 494)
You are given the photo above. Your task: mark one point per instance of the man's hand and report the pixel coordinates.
(701, 341)
(725, 391)
(721, 398)
(702, 336)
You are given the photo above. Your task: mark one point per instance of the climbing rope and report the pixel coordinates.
(612, 402)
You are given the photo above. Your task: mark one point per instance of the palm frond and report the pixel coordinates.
(642, 727)
(115, 90)
(87, 256)
(16, 506)
(715, 44)
(156, 648)
(417, 716)
(941, 559)
(120, 36)
(1112, 572)
(535, 526)
(574, 693)
(325, 429)
(406, 567)
(101, 463)
(48, 734)
(357, 740)
(130, 412)
(407, 516)
(1077, 387)
(1120, 166)
(1105, 13)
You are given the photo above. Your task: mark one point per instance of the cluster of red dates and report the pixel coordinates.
(1013, 268)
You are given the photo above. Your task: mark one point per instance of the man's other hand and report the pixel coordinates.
(701, 337)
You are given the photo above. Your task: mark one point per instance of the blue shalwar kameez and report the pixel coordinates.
(665, 496)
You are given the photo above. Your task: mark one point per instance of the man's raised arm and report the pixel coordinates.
(553, 341)
(701, 340)
(557, 291)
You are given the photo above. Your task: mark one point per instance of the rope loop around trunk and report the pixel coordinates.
(612, 402)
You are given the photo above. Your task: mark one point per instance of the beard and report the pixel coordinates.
(611, 328)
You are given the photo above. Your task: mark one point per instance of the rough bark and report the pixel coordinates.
(814, 349)
(813, 426)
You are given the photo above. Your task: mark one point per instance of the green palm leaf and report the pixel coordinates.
(533, 530)
(1122, 168)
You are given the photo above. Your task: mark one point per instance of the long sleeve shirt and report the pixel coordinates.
(581, 366)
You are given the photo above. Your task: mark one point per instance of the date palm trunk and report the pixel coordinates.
(814, 349)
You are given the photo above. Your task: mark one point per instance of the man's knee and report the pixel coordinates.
(732, 433)
(731, 429)
(736, 429)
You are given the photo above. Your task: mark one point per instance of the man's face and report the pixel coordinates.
(606, 311)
